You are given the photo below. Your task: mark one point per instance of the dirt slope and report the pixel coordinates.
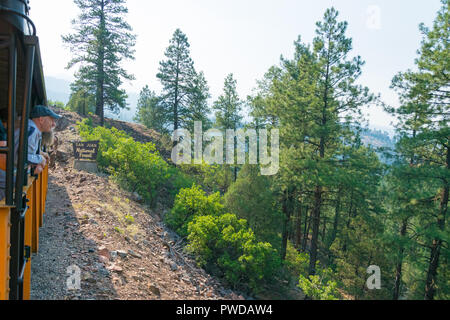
(122, 248)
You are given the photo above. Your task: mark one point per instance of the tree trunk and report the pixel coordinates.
(175, 109)
(399, 266)
(337, 212)
(319, 189)
(344, 247)
(287, 208)
(84, 103)
(430, 287)
(235, 164)
(315, 215)
(176, 100)
(398, 269)
(324, 229)
(306, 230)
(298, 240)
(100, 103)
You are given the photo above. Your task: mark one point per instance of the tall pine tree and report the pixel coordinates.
(101, 41)
(177, 75)
(228, 106)
(198, 108)
(318, 104)
(228, 109)
(425, 97)
(150, 111)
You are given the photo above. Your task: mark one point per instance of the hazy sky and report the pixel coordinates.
(246, 37)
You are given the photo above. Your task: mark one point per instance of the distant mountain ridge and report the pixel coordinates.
(59, 90)
(377, 138)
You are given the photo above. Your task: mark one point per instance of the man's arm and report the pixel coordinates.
(33, 143)
(35, 158)
(45, 155)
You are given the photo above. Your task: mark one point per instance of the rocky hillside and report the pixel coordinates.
(121, 247)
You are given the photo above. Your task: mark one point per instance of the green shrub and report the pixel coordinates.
(319, 286)
(203, 236)
(56, 104)
(251, 198)
(178, 180)
(136, 166)
(109, 139)
(260, 263)
(224, 242)
(189, 203)
(211, 177)
(296, 262)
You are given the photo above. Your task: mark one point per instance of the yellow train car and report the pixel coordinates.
(22, 206)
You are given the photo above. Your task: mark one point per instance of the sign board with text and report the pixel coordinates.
(86, 151)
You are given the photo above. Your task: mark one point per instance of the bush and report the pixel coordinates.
(56, 104)
(109, 139)
(211, 177)
(260, 263)
(251, 198)
(178, 180)
(225, 243)
(296, 262)
(317, 287)
(320, 286)
(136, 166)
(190, 203)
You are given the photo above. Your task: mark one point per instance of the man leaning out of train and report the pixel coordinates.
(43, 119)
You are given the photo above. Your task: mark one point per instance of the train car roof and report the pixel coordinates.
(14, 20)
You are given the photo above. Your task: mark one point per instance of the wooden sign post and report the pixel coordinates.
(85, 154)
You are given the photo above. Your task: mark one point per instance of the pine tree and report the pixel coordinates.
(81, 100)
(150, 111)
(198, 108)
(177, 75)
(228, 106)
(228, 109)
(262, 104)
(251, 198)
(318, 105)
(102, 39)
(402, 215)
(425, 98)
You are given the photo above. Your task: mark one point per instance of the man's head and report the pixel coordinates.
(44, 118)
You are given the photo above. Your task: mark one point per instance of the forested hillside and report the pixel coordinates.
(330, 207)
(377, 139)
